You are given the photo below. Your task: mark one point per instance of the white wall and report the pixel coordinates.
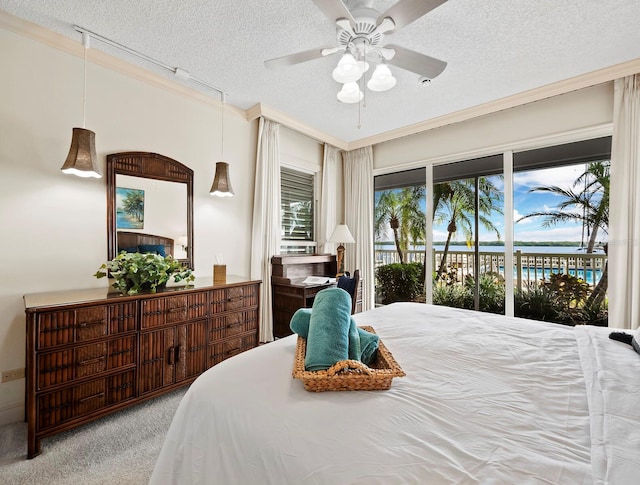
(53, 226)
(539, 121)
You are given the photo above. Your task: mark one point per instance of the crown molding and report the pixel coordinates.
(593, 78)
(570, 136)
(61, 42)
(260, 109)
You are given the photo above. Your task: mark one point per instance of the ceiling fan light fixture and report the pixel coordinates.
(350, 93)
(348, 69)
(382, 79)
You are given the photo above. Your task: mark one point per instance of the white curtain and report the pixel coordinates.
(624, 206)
(266, 219)
(329, 194)
(358, 208)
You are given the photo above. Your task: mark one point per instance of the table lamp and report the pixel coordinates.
(341, 235)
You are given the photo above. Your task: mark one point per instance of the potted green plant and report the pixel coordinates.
(136, 272)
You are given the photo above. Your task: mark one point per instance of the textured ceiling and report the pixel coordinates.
(494, 49)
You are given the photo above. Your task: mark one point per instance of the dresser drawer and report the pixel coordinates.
(234, 298)
(233, 324)
(64, 327)
(157, 312)
(228, 348)
(83, 361)
(57, 407)
(123, 317)
(84, 324)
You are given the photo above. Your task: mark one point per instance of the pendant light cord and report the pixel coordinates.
(223, 98)
(85, 44)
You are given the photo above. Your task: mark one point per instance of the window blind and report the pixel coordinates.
(297, 201)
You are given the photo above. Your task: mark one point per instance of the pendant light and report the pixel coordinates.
(350, 93)
(382, 79)
(221, 186)
(82, 159)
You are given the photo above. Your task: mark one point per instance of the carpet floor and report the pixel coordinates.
(120, 449)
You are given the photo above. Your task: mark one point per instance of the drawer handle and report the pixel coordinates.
(150, 314)
(55, 408)
(56, 368)
(233, 350)
(231, 325)
(152, 361)
(89, 398)
(170, 356)
(178, 309)
(121, 352)
(122, 317)
(91, 361)
(122, 387)
(91, 324)
(56, 329)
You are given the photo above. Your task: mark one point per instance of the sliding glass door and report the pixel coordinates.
(539, 252)
(399, 228)
(468, 250)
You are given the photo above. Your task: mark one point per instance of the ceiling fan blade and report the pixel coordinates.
(299, 57)
(334, 10)
(406, 11)
(332, 50)
(345, 24)
(409, 60)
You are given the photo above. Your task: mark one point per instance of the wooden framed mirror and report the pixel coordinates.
(149, 205)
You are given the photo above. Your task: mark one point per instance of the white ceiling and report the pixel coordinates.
(494, 49)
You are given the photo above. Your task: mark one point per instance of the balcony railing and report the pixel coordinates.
(528, 267)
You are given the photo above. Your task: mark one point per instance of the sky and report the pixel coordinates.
(526, 202)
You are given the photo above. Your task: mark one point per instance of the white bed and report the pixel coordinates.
(486, 399)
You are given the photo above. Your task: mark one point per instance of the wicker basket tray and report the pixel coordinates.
(348, 375)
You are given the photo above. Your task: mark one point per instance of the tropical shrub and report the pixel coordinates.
(538, 302)
(570, 291)
(491, 291)
(399, 282)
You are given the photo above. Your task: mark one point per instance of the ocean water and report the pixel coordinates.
(530, 273)
(494, 249)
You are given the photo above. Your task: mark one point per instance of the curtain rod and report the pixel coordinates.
(180, 73)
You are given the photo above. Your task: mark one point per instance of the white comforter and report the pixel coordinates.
(487, 399)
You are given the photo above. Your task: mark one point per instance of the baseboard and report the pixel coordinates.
(12, 413)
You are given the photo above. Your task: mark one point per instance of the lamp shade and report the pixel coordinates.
(350, 93)
(348, 69)
(221, 186)
(82, 160)
(341, 234)
(382, 79)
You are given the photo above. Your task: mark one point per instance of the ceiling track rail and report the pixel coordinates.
(178, 72)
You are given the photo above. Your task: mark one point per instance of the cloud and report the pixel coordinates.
(517, 215)
(559, 176)
(566, 233)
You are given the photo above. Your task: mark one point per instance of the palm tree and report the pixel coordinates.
(400, 210)
(589, 206)
(596, 189)
(455, 204)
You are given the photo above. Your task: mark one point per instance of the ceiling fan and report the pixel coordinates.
(361, 34)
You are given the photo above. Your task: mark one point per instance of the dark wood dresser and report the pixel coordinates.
(92, 352)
